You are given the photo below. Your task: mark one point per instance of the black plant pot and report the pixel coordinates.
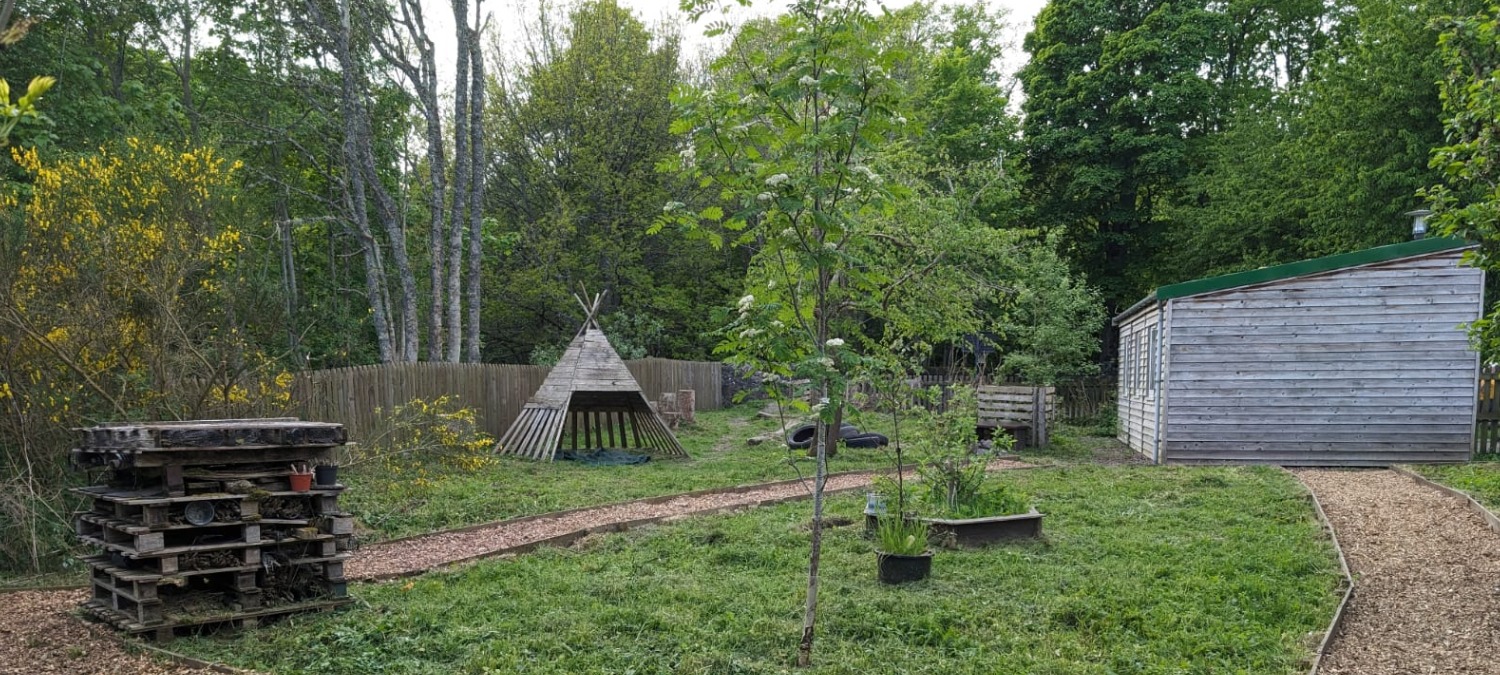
(326, 476)
(895, 569)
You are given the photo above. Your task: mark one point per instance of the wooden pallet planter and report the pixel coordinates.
(259, 550)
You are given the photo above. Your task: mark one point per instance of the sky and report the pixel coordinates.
(505, 17)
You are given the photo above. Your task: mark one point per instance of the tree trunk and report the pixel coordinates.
(476, 189)
(461, 176)
(827, 436)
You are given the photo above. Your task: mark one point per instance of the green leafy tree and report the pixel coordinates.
(1467, 202)
(786, 140)
(1332, 163)
(576, 127)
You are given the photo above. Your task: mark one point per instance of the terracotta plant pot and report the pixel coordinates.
(301, 482)
(895, 569)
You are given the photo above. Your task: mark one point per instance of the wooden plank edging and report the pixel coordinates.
(1490, 519)
(1338, 615)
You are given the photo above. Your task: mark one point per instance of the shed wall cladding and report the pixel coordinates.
(1360, 366)
(1137, 398)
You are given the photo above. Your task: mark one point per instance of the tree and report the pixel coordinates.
(1467, 202)
(575, 128)
(1332, 162)
(788, 148)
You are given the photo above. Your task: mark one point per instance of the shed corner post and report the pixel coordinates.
(1163, 308)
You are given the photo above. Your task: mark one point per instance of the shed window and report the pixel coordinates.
(1127, 365)
(1151, 364)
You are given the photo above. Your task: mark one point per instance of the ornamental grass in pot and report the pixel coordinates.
(901, 552)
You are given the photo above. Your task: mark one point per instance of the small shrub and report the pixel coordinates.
(414, 447)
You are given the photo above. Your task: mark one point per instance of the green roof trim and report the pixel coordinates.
(1405, 249)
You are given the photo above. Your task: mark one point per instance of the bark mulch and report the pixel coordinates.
(1427, 577)
(444, 548)
(40, 635)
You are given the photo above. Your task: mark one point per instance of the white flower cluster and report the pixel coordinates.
(746, 303)
(777, 179)
(835, 342)
(808, 81)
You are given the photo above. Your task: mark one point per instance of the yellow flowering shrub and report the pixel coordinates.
(122, 298)
(416, 445)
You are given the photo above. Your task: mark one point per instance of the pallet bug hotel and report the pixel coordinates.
(202, 524)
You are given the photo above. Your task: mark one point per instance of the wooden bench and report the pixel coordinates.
(1023, 412)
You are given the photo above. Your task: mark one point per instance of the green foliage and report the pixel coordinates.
(1144, 570)
(1467, 202)
(1332, 163)
(578, 126)
(900, 535)
(24, 107)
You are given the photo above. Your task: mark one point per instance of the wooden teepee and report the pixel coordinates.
(589, 393)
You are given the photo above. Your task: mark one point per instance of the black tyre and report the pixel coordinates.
(870, 440)
(801, 437)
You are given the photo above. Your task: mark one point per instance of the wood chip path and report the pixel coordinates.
(40, 635)
(1427, 577)
(382, 561)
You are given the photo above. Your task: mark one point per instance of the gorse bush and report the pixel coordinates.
(122, 297)
(412, 450)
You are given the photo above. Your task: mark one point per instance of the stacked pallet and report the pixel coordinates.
(198, 523)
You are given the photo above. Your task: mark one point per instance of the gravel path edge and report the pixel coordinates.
(1489, 517)
(1331, 633)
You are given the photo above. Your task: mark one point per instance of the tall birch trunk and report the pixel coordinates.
(476, 189)
(461, 175)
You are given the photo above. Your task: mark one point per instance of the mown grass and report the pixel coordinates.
(1480, 479)
(517, 487)
(1143, 570)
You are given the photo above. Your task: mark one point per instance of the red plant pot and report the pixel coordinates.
(301, 482)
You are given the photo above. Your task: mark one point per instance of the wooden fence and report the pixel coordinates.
(1085, 399)
(1487, 415)
(496, 391)
(1078, 400)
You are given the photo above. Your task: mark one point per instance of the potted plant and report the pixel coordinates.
(325, 472)
(301, 477)
(901, 552)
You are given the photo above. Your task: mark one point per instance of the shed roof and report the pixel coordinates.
(1369, 256)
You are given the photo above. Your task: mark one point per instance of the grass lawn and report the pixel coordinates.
(1143, 570)
(1480, 479)
(449, 498)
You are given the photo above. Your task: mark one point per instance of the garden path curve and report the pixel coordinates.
(418, 554)
(1427, 569)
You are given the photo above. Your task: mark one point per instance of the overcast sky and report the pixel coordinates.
(505, 16)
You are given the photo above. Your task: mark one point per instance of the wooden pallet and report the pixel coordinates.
(166, 630)
(215, 434)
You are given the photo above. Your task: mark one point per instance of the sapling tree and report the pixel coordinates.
(788, 140)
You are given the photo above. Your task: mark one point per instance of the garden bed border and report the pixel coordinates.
(1338, 615)
(1490, 519)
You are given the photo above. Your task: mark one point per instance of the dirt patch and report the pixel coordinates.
(1427, 590)
(40, 635)
(436, 550)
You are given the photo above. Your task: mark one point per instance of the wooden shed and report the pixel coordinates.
(1358, 359)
